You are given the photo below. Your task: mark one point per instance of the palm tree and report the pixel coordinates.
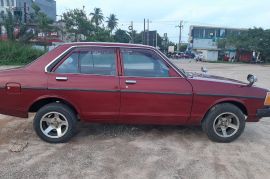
(97, 16)
(112, 22)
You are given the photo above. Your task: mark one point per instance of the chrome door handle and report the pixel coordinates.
(131, 82)
(61, 78)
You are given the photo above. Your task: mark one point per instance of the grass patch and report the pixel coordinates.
(14, 53)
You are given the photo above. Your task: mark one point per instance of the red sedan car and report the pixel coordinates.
(124, 83)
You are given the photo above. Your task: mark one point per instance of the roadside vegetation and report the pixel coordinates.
(15, 53)
(256, 39)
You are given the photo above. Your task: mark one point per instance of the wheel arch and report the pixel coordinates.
(39, 103)
(236, 102)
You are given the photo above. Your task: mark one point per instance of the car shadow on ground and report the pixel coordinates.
(120, 130)
(13, 130)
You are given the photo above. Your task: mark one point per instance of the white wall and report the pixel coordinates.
(209, 55)
(204, 44)
(212, 55)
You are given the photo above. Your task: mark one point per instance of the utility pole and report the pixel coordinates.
(131, 31)
(25, 12)
(165, 42)
(156, 38)
(180, 26)
(143, 40)
(147, 32)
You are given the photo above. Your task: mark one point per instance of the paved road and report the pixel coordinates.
(122, 151)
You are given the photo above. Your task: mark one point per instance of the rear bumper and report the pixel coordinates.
(265, 112)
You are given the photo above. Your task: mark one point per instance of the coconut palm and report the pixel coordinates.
(112, 22)
(97, 16)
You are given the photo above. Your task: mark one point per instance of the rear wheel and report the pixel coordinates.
(55, 123)
(224, 123)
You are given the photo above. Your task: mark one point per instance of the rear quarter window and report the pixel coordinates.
(99, 61)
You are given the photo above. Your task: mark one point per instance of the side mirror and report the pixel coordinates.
(204, 69)
(251, 79)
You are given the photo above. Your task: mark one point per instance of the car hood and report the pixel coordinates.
(207, 77)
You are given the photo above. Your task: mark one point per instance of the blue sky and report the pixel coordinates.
(165, 15)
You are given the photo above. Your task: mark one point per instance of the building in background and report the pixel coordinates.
(150, 38)
(6, 4)
(203, 39)
(23, 8)
(48, 7)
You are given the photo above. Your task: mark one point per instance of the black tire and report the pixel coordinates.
(65, 112)
(211, 120)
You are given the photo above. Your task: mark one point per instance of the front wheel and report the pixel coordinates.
(224, 123)
(55, 123)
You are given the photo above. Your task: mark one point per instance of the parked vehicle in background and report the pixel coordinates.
(199, 57)
(126, 83)
(190, 55)
(183, 55)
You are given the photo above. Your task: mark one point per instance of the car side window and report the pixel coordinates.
(96, 61)
(143, 63)
(99, 61)
(70, 65)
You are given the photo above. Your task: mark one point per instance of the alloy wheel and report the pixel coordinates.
(226, 124)
(54, 125)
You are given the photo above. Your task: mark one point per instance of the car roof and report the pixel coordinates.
(107, 44)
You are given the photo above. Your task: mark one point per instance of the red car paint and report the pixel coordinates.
(179, 99)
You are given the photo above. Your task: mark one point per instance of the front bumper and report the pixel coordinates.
(265, 112)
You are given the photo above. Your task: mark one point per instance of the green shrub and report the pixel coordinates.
(14, 53)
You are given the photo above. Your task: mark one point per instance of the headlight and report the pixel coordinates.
(267, 99)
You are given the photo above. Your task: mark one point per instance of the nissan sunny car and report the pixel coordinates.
(127, 84)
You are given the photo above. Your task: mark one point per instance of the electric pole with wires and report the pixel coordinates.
(180, 26)
(131, 32)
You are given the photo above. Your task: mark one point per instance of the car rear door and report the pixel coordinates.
(87, 77)
(152, 92)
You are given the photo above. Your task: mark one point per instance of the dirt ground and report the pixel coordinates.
(124, 151)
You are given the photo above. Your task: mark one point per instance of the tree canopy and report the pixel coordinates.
(122, 36)
(97, 16)
(256, 39)
(112, 22)
(77, 22)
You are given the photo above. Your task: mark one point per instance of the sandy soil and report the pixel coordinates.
(123, 151)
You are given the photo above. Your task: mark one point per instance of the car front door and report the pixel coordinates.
(152, 92)
(87, 77)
